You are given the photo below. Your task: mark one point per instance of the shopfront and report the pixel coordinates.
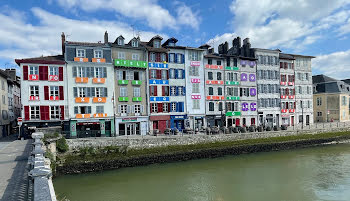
(91, 128)
(177, 121)
(214, 120)
(160, 122)
(131, 126)
(285, 119)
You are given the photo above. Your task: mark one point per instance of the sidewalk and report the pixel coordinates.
(13, 168)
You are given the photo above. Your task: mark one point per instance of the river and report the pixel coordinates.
(318, 173)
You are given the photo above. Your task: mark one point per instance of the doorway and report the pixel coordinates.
(237, 122)
(307, 119)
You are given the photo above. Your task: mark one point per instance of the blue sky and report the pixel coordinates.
(312, 27)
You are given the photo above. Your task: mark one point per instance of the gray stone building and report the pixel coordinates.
(268, 82)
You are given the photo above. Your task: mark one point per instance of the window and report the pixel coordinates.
(173, 106)
(163, 57)
(179, 74)
(165, 90)
(164, 74)
(34, 90)
(195, 87)
(81, 71)
(99, 92)
(172, 58)
(179, 58)
(53, 70)
(193, 55)
(129, 75)
(34, 112)
(123, 109)
(210, 75)
(100, 109)
(220, 106)
(98, 53)
(307, 76)
(98, 72)
(180, 91)
(153, 90)
(137, 109)
(33, 70)
(3, 99)
(300, 90)
(80, 53)
(344, 100)
(137, 92)
(319, 101)
(123, 92)
(153, 74)
(134, 43)
(156, 44)
(211, 91)
(137, 75)
(120, 41)
(219, 91)
(135, 57)
(210, 61)
(54, 91)
(154, 107)
(172, 90)
(218, 76)
(196, 103)
(153, 57)
(218, 62)
(121, 55)
(55, 112)
(211, 106)
(165, 107)
(319, 114)
(194, 71)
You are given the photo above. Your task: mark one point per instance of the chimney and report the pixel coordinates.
(246, 41)
(12, 73)
(226, 47)
(106, 37)
(63, 38)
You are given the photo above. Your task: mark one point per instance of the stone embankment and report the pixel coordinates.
(41, 173)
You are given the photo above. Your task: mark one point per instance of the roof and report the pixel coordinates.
(213, 56)
(205, 46)
(268, 50)
(154, 37)
(56, 59)
(347, 81)
(4, 74)
(299, 55)
(286, 56)
(170, 39)
(84, 43)
(316, 79)
(152, 49)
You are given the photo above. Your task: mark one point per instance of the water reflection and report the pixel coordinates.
(320, 173)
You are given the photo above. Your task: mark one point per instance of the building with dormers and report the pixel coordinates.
(131, 70)
(90, 79)
(177, 83)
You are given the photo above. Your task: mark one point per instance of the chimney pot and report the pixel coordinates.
(63, 39)
(106, 37)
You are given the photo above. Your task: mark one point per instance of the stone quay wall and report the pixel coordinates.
(141, 142)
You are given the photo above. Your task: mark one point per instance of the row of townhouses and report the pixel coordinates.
(136, 87)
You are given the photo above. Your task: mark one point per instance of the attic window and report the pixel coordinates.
(134, 43)
(156, 44)
(120, 41)
(172, 44)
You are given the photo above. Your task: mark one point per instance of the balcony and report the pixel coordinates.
(230, 114)
(98, 60)
(54, 98)
(283, 83)
(219, 82)
(136, 99)
(53, 78)
(81, 59)
(232, 98)
(215, 97)
(99, 99)
(82, 116)
(291, 110)
(231, 68)
(136, 82)
(33, 77)
(291, 83)
(34, 98)
(123, 99)
(291, 97)
(284, 110)
(123, 82)
(283, 96)
(209, 66)
(82, 99)
(232, 83)
(98, 80)
(81, 80)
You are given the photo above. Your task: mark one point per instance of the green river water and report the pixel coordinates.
(318, 173)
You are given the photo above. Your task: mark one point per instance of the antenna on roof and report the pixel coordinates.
(133, 30)
(138, 34)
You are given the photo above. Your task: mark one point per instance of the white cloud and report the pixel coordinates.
(289, 24)
(156, 16)
(336, 65)
(20, 39)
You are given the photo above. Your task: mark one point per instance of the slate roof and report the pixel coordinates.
(286, 56)
(215, 56)
(84, 43)
(347, 81)
(325, 84)
(321, 79)
(56, 59)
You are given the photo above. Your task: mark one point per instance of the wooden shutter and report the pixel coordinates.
(159, 74)
(62, 112)
(61, 91)
(176, 73)
(76, 110)
(150, 107)
(167, 74)
(160, 107)
(43, 73)
(60, 73)
(75, 91)
(25, 76)
(183, 91)
(42, 112)
(158, 57)
(46, 93)
(26, 110)
(155, 90)
(163, 90)
(47, 112)
(74, 71)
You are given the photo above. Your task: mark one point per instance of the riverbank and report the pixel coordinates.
(90, 159)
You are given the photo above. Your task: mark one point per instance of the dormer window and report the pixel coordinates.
(81, 53)
(98, 53)
(120, 41)
(134, 43)
(172, 44)
(156, 44)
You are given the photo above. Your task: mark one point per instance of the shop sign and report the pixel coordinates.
(231, 68)
(158, 65)
(130, 63)
(158, 81)
(53, 78)
(129, 119)
(195, 63)
(178, 117)
(164, 98)
(230, 114)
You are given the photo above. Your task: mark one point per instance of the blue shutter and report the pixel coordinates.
(175, 58)
(184, 91)
(177, 107)
(183, 74)
(183, 59)
(176, 91)
(176, 72)
(182, 106)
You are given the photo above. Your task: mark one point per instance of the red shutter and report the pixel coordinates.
(61, 92)
(281, 65)
(166, 58)
(62, 112)
(150, 91)
(26, 110)
(149, 56)
(167, 74)
(150, 107)
(46, 73)
(60, 75)
(157, 57)
(163, 90)
(287, 92)
(47, 112)
(42, 112)
(294, 105)
(160, 107)
(159, 74)
(169, 107)
(46, 92)
(285, 65)
(41, 72)
(25, 77)
(155, 90)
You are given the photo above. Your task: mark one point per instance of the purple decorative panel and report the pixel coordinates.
(245, 107)
(253, 106)
(252, 91)
(244, 77)
(252, 77)
(243, 62)
(251, 63)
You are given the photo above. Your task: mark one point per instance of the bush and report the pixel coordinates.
(50, 136)
(62, 145)
(50, 156)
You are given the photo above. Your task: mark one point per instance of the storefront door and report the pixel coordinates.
(237, 122)
(162, 126)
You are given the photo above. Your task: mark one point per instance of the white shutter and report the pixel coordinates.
(119, 109)
(141, 109)
(132, 109)
(128, 109)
